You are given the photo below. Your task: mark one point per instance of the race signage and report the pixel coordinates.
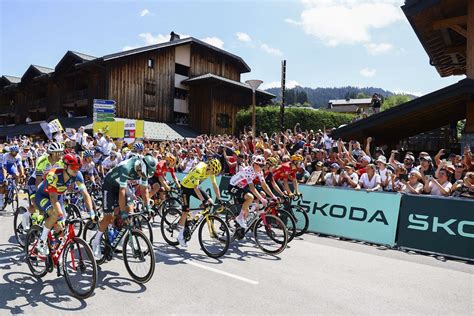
(104, 110)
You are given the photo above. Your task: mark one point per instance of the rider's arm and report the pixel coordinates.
(267, 190)
(198, 193)
(164, 183)
(276, 187)
(215, 187)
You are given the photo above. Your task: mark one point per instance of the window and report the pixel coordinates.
(181, 70)
(223, 120)
(151, 63)
(180, 94)
(150, 87)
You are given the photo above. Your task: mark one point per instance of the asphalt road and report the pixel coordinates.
(314, 275)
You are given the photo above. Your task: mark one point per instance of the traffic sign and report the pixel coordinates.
(101, 110)
(104, 110)
(104, 102)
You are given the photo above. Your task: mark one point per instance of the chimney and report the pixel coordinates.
(174, 37)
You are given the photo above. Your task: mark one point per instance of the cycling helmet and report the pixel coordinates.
(215, 166)
(272, 161)
(14, 149)
(148, 166)
(88, 153)
(55, 148)
(6, 149)
(138, 147)
(258, 160)
(170, 159)
(72, 161)
(297, 157)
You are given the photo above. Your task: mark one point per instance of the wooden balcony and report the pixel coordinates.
(78, 98)
(38, 105)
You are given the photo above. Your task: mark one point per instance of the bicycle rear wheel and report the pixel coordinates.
(214, 236)
(138, 256)
(37, 263)
(80, 268)
(301, 218)
(20, 231)
(73, 213)
(169, 225)
(270, 234)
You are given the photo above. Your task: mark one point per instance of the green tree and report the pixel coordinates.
(268, 119)
(302, 97)
(362, 95)
(395, 100)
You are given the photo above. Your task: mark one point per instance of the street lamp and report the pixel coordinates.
(254, 84)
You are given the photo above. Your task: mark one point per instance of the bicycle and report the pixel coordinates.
(20, 232)
(269, 231)
(172, 199)
(136, 246)
(299, 214)
(11, 195)
(81, 260)
(214, 240)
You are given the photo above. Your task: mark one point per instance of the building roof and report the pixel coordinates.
(11, 79)
(187, 40)
(83, 56)
(350, 101)
(351, 108)
(439, 25)
(42, 69)
(426, 113)
(214, 78)
(72, 58)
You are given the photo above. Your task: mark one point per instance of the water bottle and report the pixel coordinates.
(111, 233)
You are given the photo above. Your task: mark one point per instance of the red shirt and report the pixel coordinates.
(162, 169)
(232, 169)
(285, 171)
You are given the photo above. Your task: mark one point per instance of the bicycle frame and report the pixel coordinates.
(203, 215)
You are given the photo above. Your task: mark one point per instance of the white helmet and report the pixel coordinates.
(55, 148)
(259, 160)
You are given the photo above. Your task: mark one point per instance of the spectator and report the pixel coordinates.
(440, 186)
(331, 179)
(413, 186)
(349, 179)
(376, 103)
(383, 171)
(302, 175)
(188, 163)
(426, 166)
(464, 188)
(370, 180)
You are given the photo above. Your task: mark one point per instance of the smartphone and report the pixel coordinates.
(404, 176)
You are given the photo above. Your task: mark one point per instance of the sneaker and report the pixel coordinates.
(241, 221)
(42, 248)
(182, 241)
(97, 251)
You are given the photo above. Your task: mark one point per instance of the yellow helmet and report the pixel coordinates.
(170, 159)
(215, 166)
(297, 157)
(272, 161)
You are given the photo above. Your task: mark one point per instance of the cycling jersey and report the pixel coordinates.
(43, 166)
(285, 171)
(88, 168)
(109, 163)
(246, 176)
(10, 164)
(124, 172)
(162, 169)
(54, 183)
(197, 175)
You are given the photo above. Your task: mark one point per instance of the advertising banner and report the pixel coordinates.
(352, 214)
(113, 129)
(437, 225)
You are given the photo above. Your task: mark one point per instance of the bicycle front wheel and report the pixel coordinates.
(214, 236)
(301, 218)
(20, 231)
(138, 256)
(80, 268)
(270, 234)
(141, 223)
(169, 226)
(289, 222)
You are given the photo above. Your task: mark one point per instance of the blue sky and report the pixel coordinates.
(326, 43)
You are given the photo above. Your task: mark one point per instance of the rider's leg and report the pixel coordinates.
(248, 199)
(49, 223)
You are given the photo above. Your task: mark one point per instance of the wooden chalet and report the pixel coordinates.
(183, 80)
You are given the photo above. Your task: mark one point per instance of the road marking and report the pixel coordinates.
(191, 262)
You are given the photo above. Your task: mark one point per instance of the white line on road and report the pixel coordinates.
(189, 261)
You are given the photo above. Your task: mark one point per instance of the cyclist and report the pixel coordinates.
(54, 185)
(241, 186)
(287, 171)
(50, 160)
(11, 165)
(88, 166)
(158, 181)
(116, 193)
(137, 150)
(110, 162)
(190, 187)
(270, 166)
(27, 157)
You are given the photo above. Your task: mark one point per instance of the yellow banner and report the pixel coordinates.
(139, 128)
(113, 129)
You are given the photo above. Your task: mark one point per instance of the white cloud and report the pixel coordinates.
(214, 41)
(400, 91)
(271, 50)
(243, 37)
(377, 49)
(128, 48)
(338, 22)
(144, 12)
(367, 72)
(290, 84)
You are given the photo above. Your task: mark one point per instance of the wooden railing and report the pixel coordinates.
(76, 95)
